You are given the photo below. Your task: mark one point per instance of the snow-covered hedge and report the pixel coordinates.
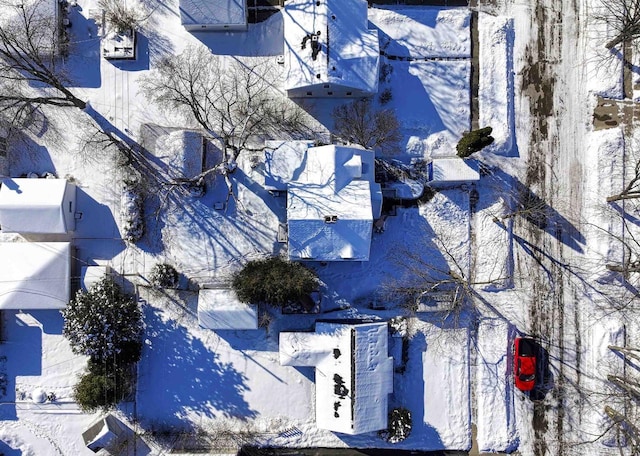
(131, 212)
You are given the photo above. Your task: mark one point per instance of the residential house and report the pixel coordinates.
(35, 275)
(43, 206)
(329, 51)
(353, 372)
(332, 199)
(213, 15)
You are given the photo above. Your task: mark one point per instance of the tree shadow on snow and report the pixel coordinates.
(522, 202)
(180, 378)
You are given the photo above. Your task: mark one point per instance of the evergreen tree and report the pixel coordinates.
(104, 324)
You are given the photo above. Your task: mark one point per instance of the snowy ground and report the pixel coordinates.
(457, 373)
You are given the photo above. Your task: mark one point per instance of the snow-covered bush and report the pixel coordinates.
(104, 324)
(131, 212)
(474, 141)
(399, 425)
(98, 389)
(274, 281)
(164, 275)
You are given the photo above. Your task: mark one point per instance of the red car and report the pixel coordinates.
(524, 363)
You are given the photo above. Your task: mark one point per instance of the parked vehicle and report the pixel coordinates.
(524, 363)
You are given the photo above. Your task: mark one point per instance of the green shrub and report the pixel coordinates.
(164, 275)
(399, 425)
(474, 141)
(274, 281)
(100, 390)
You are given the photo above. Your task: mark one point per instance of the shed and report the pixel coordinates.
(450, 171)
(35, 275)
(91, 275)
(45, 206)
(220, 308)
(354, 373)
(106, 435)
(213, 15)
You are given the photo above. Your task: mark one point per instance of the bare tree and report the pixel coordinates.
(358, 122)
(623, 17)
(31, 43)
(632, 189)
(233, 100)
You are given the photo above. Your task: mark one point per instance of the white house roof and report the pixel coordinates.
(34, 206)
(354, 373)
(329, 205)
(220, 308)
(348, 52)
(283, 161)
(451, 169)
(213, 12)
(35, 275)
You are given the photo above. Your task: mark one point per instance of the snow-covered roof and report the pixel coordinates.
(354, 373)
(182, 151)
(203, 14)
(35, 275)
(283, 161)
(90, 275)
(105, 433)
(329, 42)
(116, 46)
(450, 170)
(37, 206)
(220, 308)
(329, 206)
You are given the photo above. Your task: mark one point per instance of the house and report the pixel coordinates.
(353, 372)
(44, 206)
(213, 15)
(220, 308)
(107, 436)
(35, 275)
(119, 45)
(332, 199)
(329, 51)
(450, 171)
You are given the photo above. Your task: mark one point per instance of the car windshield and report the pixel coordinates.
(527, 378)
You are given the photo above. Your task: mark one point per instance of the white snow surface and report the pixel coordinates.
(189, 375)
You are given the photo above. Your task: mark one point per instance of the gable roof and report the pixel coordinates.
(354, 373)
(35, 275)
(43, 19)
(329, 205)
(37, 206)
(198, 14)
(328, 42)
(220, 308)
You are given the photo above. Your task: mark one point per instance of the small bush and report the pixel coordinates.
(474, 141)
(274, 281)
(131, 212)
(386, 96)
(100, 390)
(164, 275)
(399, 425)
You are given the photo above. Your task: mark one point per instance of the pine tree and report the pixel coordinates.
(104, 324)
